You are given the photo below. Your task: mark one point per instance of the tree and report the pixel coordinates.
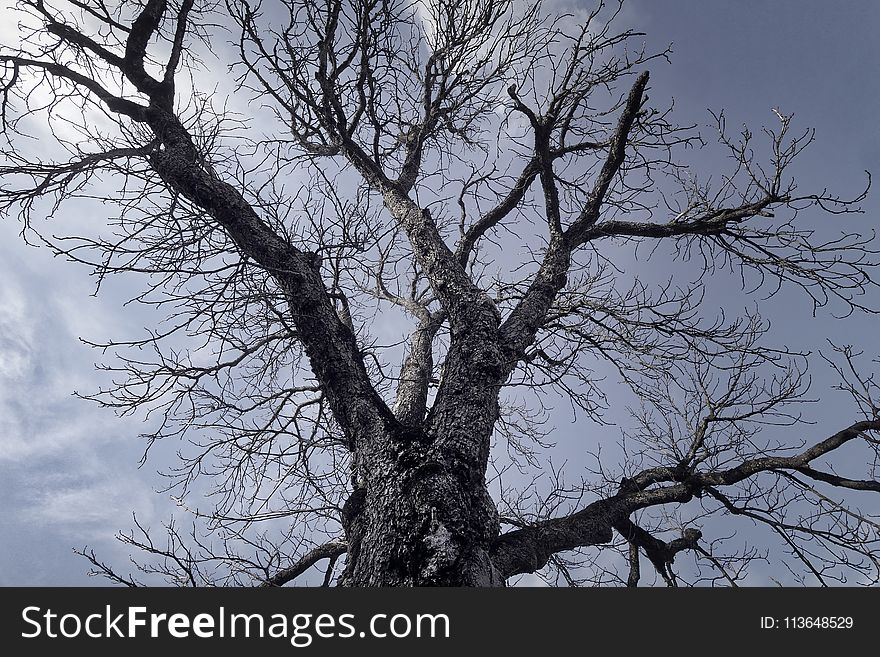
(394, 153)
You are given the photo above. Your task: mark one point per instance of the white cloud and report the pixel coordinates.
(41, 360)
(15, 349)
(93, 509)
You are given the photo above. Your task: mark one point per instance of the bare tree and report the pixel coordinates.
(480, 172)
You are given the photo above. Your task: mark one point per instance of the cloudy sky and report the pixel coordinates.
(68, 470)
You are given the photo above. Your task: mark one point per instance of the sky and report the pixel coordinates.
(69, 474)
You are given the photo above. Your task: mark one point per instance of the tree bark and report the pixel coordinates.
(420, 515)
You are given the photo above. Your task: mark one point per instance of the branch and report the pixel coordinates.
(590, 214)
(58, 176)
(327, 551)
(114, 103)
(661, 553)
(330, 345)
(523, 323)
(841, 482)
(499, 212)
(142, 30)
(99, 568)
(713, 223)
(177, 45)
(415, 375)
(530, 548)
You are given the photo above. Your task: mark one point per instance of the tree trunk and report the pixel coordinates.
(420, 517)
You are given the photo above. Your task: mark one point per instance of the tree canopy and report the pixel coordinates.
(435, 228)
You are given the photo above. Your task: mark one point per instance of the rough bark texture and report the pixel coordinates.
(419, 517)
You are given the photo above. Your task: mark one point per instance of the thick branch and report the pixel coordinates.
(519, 331)
(177, 45)
(661, 553)
(142, 30)
(113, 103)
(590, 214)
(415, 375)
(499, 212)
(530, 548)
(714, 223)
(329, 343)
(841, 482)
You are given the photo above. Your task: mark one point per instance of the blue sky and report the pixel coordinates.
(68, 470)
